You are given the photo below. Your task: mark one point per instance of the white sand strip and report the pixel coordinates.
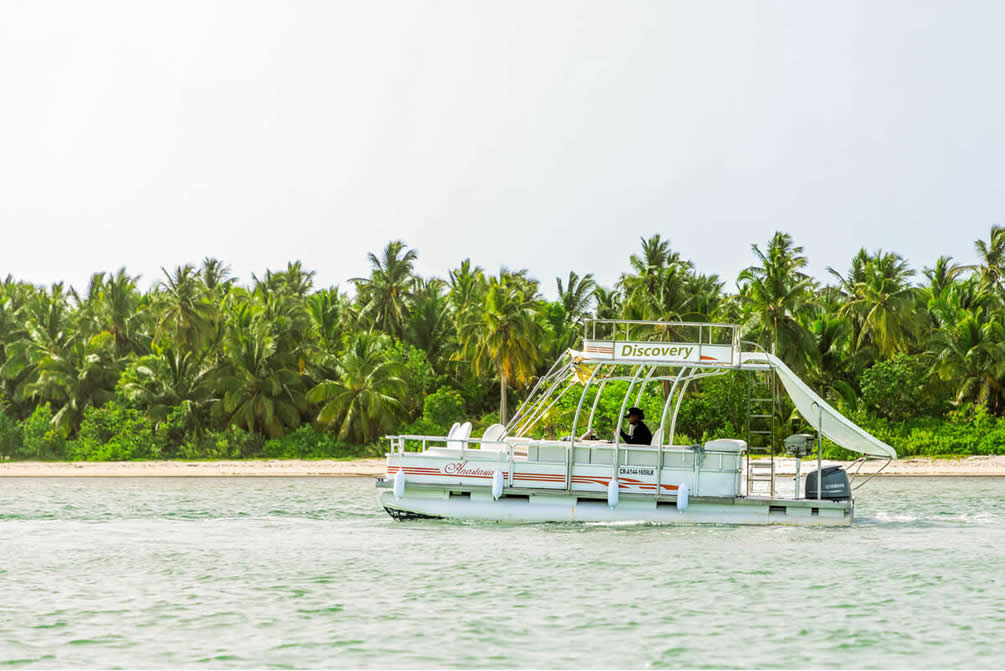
(975, 465)
(175, 469)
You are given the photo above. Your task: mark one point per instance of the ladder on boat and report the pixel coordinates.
(761, 411)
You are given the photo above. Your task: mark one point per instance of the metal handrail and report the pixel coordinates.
(593, 409)
(400, 439)
(523, 407)
(528, 410)
(538, 416)
(878, 471)
(590, 328)
(642, 322)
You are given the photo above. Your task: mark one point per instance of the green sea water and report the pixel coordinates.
(200, 573)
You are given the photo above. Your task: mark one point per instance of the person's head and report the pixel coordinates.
(634, 415)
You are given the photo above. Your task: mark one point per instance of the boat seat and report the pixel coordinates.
(493, 438)
(459, 435)
(494, 432)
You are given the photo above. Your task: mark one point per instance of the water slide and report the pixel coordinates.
(818, 413)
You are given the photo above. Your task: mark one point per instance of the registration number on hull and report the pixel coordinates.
(644, 471)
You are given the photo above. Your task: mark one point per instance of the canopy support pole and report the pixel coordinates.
(570, 456)
(820, 452)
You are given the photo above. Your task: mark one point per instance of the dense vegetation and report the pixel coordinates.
(203, 367)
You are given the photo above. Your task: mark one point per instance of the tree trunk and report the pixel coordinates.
(502, 399)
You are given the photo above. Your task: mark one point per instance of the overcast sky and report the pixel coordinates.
(541, 135)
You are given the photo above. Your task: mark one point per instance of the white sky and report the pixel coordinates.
(540, 135)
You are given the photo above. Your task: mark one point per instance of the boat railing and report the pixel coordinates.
(623, 329)
(398, 442)
(565, 445)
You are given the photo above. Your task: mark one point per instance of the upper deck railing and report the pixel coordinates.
(674, 343)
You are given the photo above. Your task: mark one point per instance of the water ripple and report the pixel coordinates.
(301, 573)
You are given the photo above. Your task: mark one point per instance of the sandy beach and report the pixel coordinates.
(187, 469)
(923, 466)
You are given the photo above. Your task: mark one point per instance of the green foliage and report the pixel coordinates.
(443, 407)
(202, 367)
(718, 408)
(41, 439)
(364, 401)
(893, 388)
(485, 421)
(11, 436)
(501, 334)
(439, 412)
(114, 432)
(968, 430)
(416, 374)
(234, 443)
(308, 443)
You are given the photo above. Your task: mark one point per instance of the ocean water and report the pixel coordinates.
(199, 573)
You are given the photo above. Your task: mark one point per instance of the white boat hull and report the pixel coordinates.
(476, 505)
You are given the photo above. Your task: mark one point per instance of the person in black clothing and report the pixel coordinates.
(640, 435)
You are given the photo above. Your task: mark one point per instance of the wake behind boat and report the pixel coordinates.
(511, 476)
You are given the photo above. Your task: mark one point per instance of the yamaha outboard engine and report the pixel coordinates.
(836, 486)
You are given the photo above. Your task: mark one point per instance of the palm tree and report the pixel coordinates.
(327, 309)
(969, 352)
(656, 254)
(941, 277)
(385, 297)
(428, 326)
(466, 286)
(704, 294)
(831, 367)
(165, 379)
(216, 276)
(655, 290)
(183, 313)
(504, 335)
(82, 377)
(294, 281)
(466, 293)
(773, 294)
(608, 303)
(576, 296)
(884, 302)
(992, 259)
(846, 289)
(289, 319)
(47, 330)
(363, 399)
(14, 297)
(261, 391)
(113, 304)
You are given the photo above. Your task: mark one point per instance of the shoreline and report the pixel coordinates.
(983, 466)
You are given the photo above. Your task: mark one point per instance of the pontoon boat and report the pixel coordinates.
(512, 474)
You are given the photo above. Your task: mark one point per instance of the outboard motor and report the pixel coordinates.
(835, 488)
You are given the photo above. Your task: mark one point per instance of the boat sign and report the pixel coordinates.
(659, 351)
(636, 471)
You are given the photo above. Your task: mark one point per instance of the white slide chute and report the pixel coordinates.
(819, 413)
